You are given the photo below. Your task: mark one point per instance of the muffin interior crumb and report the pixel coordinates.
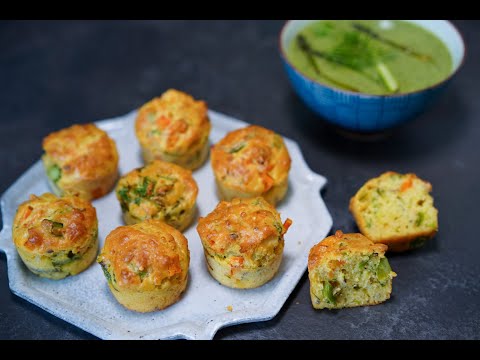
(396, 206)
(352, 280)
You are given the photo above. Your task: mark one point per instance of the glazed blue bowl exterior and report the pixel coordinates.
(362, 112)
(359, 112)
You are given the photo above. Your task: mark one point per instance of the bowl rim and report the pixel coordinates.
(375, 96)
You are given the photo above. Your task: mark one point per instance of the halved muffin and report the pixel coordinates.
(80, 160)
(396, 210)
(56, 237)
(160, 190)
(348, 270)
(243, 242)
(175, 128)
(249, 162)
(146, 265)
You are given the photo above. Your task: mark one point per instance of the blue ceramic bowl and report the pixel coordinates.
(362, 112)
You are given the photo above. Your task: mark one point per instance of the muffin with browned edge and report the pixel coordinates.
(56, 237)
(174, 128)
(348, 270)
(80, 160)
(396, 210)
(249, 162)
(146, 265)
(243, 242)
(160, 190)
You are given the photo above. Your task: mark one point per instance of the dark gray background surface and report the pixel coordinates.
(54, 74)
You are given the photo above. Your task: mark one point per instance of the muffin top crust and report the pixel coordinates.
(46, 224)
(252, 159)
(79, 152)
(248, 230)
(145, 255)
(174, 123)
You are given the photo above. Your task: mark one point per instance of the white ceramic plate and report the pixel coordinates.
(85, 300)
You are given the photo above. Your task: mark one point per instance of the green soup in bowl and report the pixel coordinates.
(371, 56)
(368, 76)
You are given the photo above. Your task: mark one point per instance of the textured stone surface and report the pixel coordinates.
(57, 73)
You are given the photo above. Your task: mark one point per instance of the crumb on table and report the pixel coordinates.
(229, 308)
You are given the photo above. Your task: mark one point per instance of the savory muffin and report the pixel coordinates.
(348, 270)
(175, 128)
(243, 242)
(56, 237)
(251, 162)
(146, 265)
(396, 210)
(160, 190)
(80, 160)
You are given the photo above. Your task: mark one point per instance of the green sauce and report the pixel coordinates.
(370, 56)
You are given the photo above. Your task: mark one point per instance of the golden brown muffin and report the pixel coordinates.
(251, 162)
(160, 190)
(146, 265)
(348, 270)
(396, 210)
(81, 160)
(243, 242)
(175, 128)
(56, 237)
